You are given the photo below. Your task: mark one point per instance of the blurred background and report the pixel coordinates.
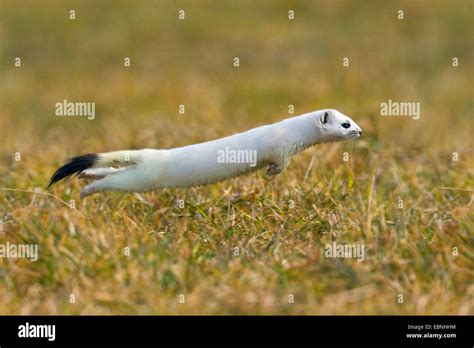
(282, 62)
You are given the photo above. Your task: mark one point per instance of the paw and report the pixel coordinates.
(86, 175)
(99, 173)
(87, 191)
(274, 169)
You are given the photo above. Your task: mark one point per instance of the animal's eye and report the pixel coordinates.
(346, 124)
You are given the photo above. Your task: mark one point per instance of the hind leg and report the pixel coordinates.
(99, 173)
(125, 180)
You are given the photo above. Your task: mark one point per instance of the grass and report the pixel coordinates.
(248, 245)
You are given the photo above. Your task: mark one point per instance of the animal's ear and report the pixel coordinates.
(325, 117)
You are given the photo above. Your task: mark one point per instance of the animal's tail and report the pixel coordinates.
(77, 165)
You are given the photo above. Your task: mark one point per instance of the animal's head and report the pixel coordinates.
(335, 126)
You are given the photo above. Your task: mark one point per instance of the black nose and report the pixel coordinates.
(360, 133)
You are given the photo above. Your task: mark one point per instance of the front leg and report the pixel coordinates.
(278, 166)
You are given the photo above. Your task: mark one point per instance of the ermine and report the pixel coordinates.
(270, 146)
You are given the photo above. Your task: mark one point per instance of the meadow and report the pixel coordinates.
(250, 245)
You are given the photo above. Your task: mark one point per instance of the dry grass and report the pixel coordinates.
(280, 226)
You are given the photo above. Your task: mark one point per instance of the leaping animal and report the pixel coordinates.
(270, 146)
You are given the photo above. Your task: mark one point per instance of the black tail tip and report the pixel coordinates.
(74, 166)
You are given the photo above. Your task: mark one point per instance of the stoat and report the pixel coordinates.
(270, 146)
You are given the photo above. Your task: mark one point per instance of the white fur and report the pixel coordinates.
(198, 164)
